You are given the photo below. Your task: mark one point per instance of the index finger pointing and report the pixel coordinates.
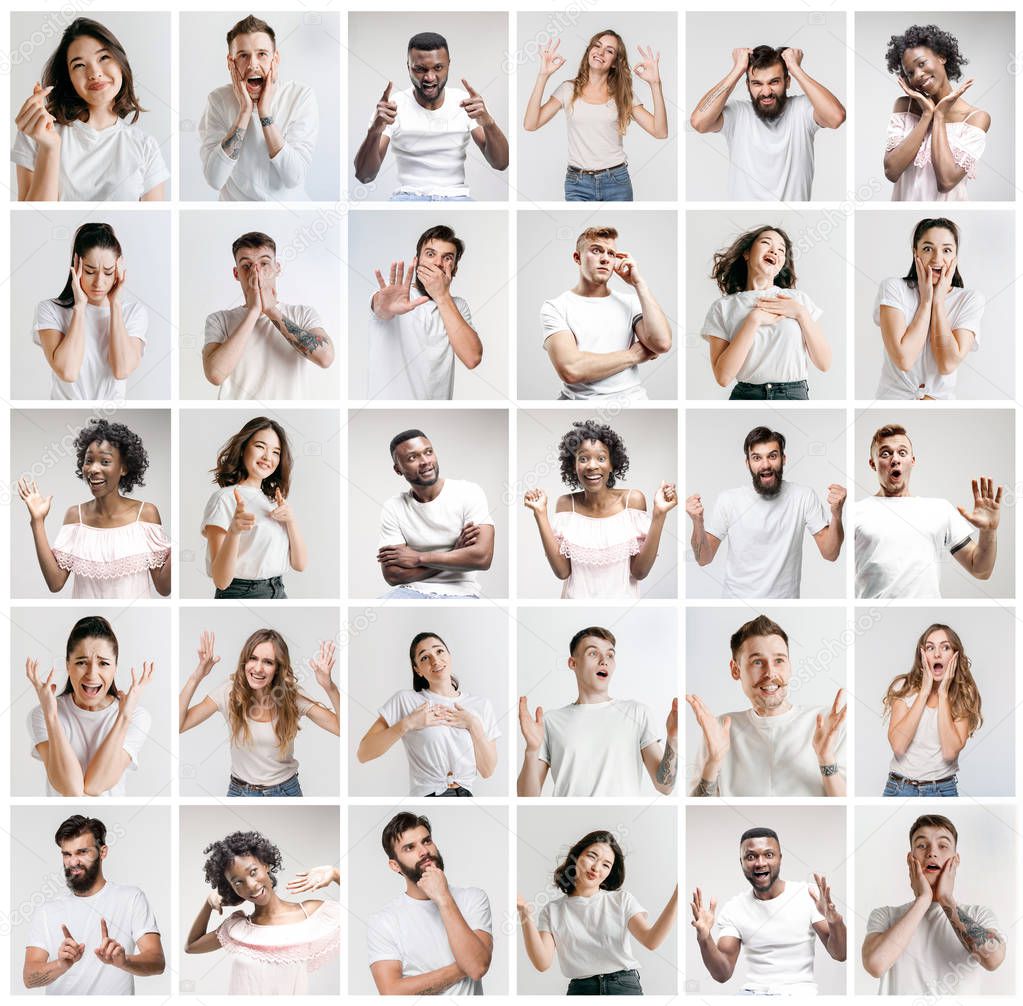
(104, 935)
(472, 93)
(67, 934)
(387, 92)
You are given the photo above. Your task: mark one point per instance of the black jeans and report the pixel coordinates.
(452, 791)
(793, 391)
(253, 590)
(617, 983)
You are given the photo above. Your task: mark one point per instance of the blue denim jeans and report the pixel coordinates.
(617, 983)
(793, 391)
(412, 197)
(610, 186)
(253, 590)
(897, 787)
(290, 787)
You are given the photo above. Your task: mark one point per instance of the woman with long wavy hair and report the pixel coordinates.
(933, 711)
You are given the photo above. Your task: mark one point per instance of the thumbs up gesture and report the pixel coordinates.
(243, 520)
(474, 106)
(281, 513)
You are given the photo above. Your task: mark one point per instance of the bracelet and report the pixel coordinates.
(705, 788)
(266, 120)
(831, 769)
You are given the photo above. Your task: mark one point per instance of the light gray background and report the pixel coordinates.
(887, 650)
(43, 447)
(205, 757)
(951, 449)
(986, 262)
(313, 438)
(818, 243)
(376, 239)
(985, 39)
(651, 442)
(309, 255)
(812, 841)
(645, 668)
(306, 837)
(817, 644)
(546, 241)
(37, 874)
(378, 53)
(475, 844)
(378, 664)
(471, 444)
(986, 873)
(308, 42)
(41, 259)
(146, 40)
(544, 153)
(647, 836)
(710, 39)
(815, 452)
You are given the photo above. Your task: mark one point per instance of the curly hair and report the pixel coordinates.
(230, 468)
(731, 270)
(930, 36)
(220, 855)
(590, 429)
(565, 874)
(133, 454)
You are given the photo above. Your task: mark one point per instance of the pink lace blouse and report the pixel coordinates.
(918, 182)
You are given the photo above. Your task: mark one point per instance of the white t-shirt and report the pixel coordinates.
(770, 160)
(429, 144)
(128, 917)
(434, 526)
(412, 932)
(410, 355)
(594, 142)
(777, 938)
(120, 162)
(600, 325)
(439, 755)
(270, 367)
(765, 547)
(923, 759)
(262, 552)
(86, 730)
(935, 962)
(778, 352)
(96, 381)
(254, 176)
(965, 310)
(771, 756)
(901, 542)
(593, 748)
(591, 934)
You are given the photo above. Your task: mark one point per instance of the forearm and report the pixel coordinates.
(946, 171)
(911, 343)
(658, 932)
(121, 355)
(368, 158)
(656, 328)
(483, 748)
(730, 360)
(464, 340)
(719, 966)
(223, 564)
(947, 733)
(560, 564)
(833, 537)
(274, 139)
(105, 771)
(143, 965)
(902, 156)
(185, 700)
(531, 120)
(312, 346)
(815, 342)
(667, 769)
(478, 556)
(37, 976)
(985, 945)
(430, 983)
(585, 368)
(942, 341)
(298, 555)
(660, 112)
(53, 574)
(643, 561)
(198, 929)
(700, 543)
(892, 944)
(471, 955)
(827, 109)
(536, 950)
(836, 941)
(530, 781)
(495, 146)
(396, 575)
(68, 356)
(161, 577)
(707, 784)
(63, 769)
(984, 555)
(45, 185)
(374, 745)
(712, 104)
(231, 144)
(220, 362)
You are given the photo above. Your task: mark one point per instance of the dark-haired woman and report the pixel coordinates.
(92, 335)
(589, 927)
(274, 947)
(929, 320)
(450, 737)
(115, 546)
(252, 534)
(90, 734)
(935, 137)
(762, 331)
(602, 541)
(75, 138)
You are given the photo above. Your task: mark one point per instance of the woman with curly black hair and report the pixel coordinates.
(275, 946)
(115, 546)
(601, 542)
(935, 137)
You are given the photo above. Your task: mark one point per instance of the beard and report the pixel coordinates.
(86, 880)
(415, 873)
(417, 481)
(426, 96)
(762, 885)
(768, 492)
(772, 113)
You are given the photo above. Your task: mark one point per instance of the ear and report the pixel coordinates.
(576, 257)
(103, 850)
(733, 667)
(873, 467)
(571, 663)
(397, 470)
(393, 864)
(277, 268)
(234, 272)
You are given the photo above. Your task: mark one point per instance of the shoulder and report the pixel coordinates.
(220, 96)
(51, 309)
(980, 119)
(71, 515)
(384, 917)
(395, 503)
(635, 500)
(150, 514)
(903, 104)
(564, 503)
(135, 132)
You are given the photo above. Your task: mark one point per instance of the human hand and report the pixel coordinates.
(253, 292)
(395, 296)
(117, 288)
(703, 915)
(641, 353)
(216, 902)
(950, 672)
(35, 121)
(434, 280)
(671, 724)
(987, 505)
(80, 299)
(387, 110)
(918, 879)
(206, 656)
(925, 103)
(782, 306)
(268, 296)
(944, 105)
(266, 96)
(792, 58)
(825, 734)
(242, 520)
(70, 950)
(666, 498)
(109, 950)
(241, 94)
(399, 555)
(694, 507)
(532, 729)
(38, 504)
(535, 500)
(836, 497)
(740, 58)
(282, 512)
(523, 907)
(822, 899)
(468, 536)
(924, 285)
(625, 267)
(429, 714)
(433, 883)
(550, 61)
(323, 664)
(461, 718)
(46, 691)
(313, 879)
(474, 106)
(649, 67)
(943, 889)
(944, 284)
(129, 700)
(717, 734)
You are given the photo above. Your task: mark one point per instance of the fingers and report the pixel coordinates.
(411, 273)
(386, 96)
(380, 279)
(278, 496)
(67, 933)
(472, 92)
(239, 502)
(104, 935)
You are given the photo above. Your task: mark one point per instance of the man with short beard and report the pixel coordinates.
(765, 524)
(770, 139)
(432, 938)
(117, 929)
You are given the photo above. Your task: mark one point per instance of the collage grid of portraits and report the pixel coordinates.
(337, 245)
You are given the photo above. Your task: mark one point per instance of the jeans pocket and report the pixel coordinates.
(890, 788)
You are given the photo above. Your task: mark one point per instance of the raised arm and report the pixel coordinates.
(486, 133)
(536, 501)
(708, 116)
(370, 154)
(828, 111)
(704, 545)
(718, 957)
(198, 940)
(533, 771)
(540, 947)
(952, 733)
(538, 114)
(832, 931)
(38, 507)
(829, 539)
(41, 182)
(322, 666)
(665, 500)
(63, 769)
(188, 715)
(111, 760)
(652, 936)
(717, 739)
(465, 342)
(649, 69)
(653, 330)
(946, 171)
(312, 344)
(978, 557)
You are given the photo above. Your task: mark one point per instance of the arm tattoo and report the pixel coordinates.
(972, 935)
(668, 766)
(37, 979)
(705, 788)
(304, 341)
(712, 97)
(232, 143)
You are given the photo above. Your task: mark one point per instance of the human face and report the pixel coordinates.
(432, 660)
(766, 256)
(760, 859)
(99, 271)
(440, 254)
(924, 70)
(428, 72)
(893, 461)
(932, 847)
(261, 666)
(253, 57)
(767, 90)
(936, 249)
(102, 468)
(593, 465)
(261, 261)
(91, 668)
(603, 54)
(416, 461)
(262, 454)
(766, 465)
(415, 852)
(592, 867)
(83, 861)
(938, 651)
(593, 663)
(250, 879)
(763, 671)
(596, 260)
(95, 74)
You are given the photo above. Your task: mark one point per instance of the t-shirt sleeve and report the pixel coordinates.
(220, 695)
(37, 729)
(553, 319)
(729, 114)
(543, 920)
(983, 915)
(815, 517)
(463, 309)
(303, 703)
(890, 294)
(563, 92)
(714, 323)
(969, 314)
(138, 734)
(543, 753)
(300, 132)
(630, 906)
(805, 300)
(390, 532)
(476, 910)
(49, 316)
(219, 510)
(382, 942)
(647, 734)
(393, 709)
(726, 925)
(307, 317)
(143, 918)
(720, 518)
(811, 123)
(216, 328)
(23, 152)
(959, 530)
(154, 168)
(490, 727)
(136, 320)
(899, 127)
(38, 930)
(880, 920)
(476, 509)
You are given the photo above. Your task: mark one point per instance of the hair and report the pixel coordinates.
(283, 691)
(397, 827)
(762, 435)
(930, 36)
(419, 683)
(63, 102)
(963, 694)
(593, 233)
(428, 41)
(933, 821)
(220, 855)
(759, 833)
(91, 627)
(249, 26)
(230, 468)
(564, 875)
(886, 431)
(87, 237)
(398, 439)
(590, 429)
(918, 232)
(764, 56)
(441, 232)
(594, 630)
(731, 271)
(253, 239)
(77, 825)
(619, 78)
(759, 626)
(133, 454)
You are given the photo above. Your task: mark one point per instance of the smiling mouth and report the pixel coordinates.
(98, 85)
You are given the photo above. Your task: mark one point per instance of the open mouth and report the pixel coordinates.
(595, 478)
(254, 81)
(932, 868)
(91, 691)
(601, 674)
(762, 874)
(767, 101)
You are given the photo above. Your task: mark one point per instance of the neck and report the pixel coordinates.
(272, 909)
(591, 288)
(600, 498)
(100, 117)
(759, 281)
(589, 696)
(777, 888)
(94, 707)
(426, 493)
(413, 891)
(109, 504)
(584, 890)
(437, 102)
(903, 491)
(252, 482)
(443, 686)
(597, 78)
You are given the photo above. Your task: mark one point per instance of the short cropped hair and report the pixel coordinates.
(253, 239)
(884, 432)
(759, 626)
(428, 41)
(77, 825)
(594, 234)
(760, 833)
(248, 26)
(933, 821)
(400, 438)
(594, 630)
(762, 435)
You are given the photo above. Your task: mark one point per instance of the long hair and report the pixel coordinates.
(963, 694)
(91, 627)
(230, 468)
(619, 78)
(918, 232)
(419, 683)
(731, 271)
(565, 874)
(87, 237)
(283, 692)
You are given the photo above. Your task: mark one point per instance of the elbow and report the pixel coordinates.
(92, 789)
(872, 966)
(69, 374)
(189, 948)
(214, 377)
(570, 373)
(946, 185)
(222, 582)
(326, 357)
(477, 971)
(298, 565)
(362, 755)
(697, 123)
(390, 579)
(722, 379)
(837, 119)
(77, 791)
(474, 359)
(946, 367)
(890, 173)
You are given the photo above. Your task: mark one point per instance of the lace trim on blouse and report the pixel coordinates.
(312, 953)
(93, 569)
(607, 555)
(899, 128)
